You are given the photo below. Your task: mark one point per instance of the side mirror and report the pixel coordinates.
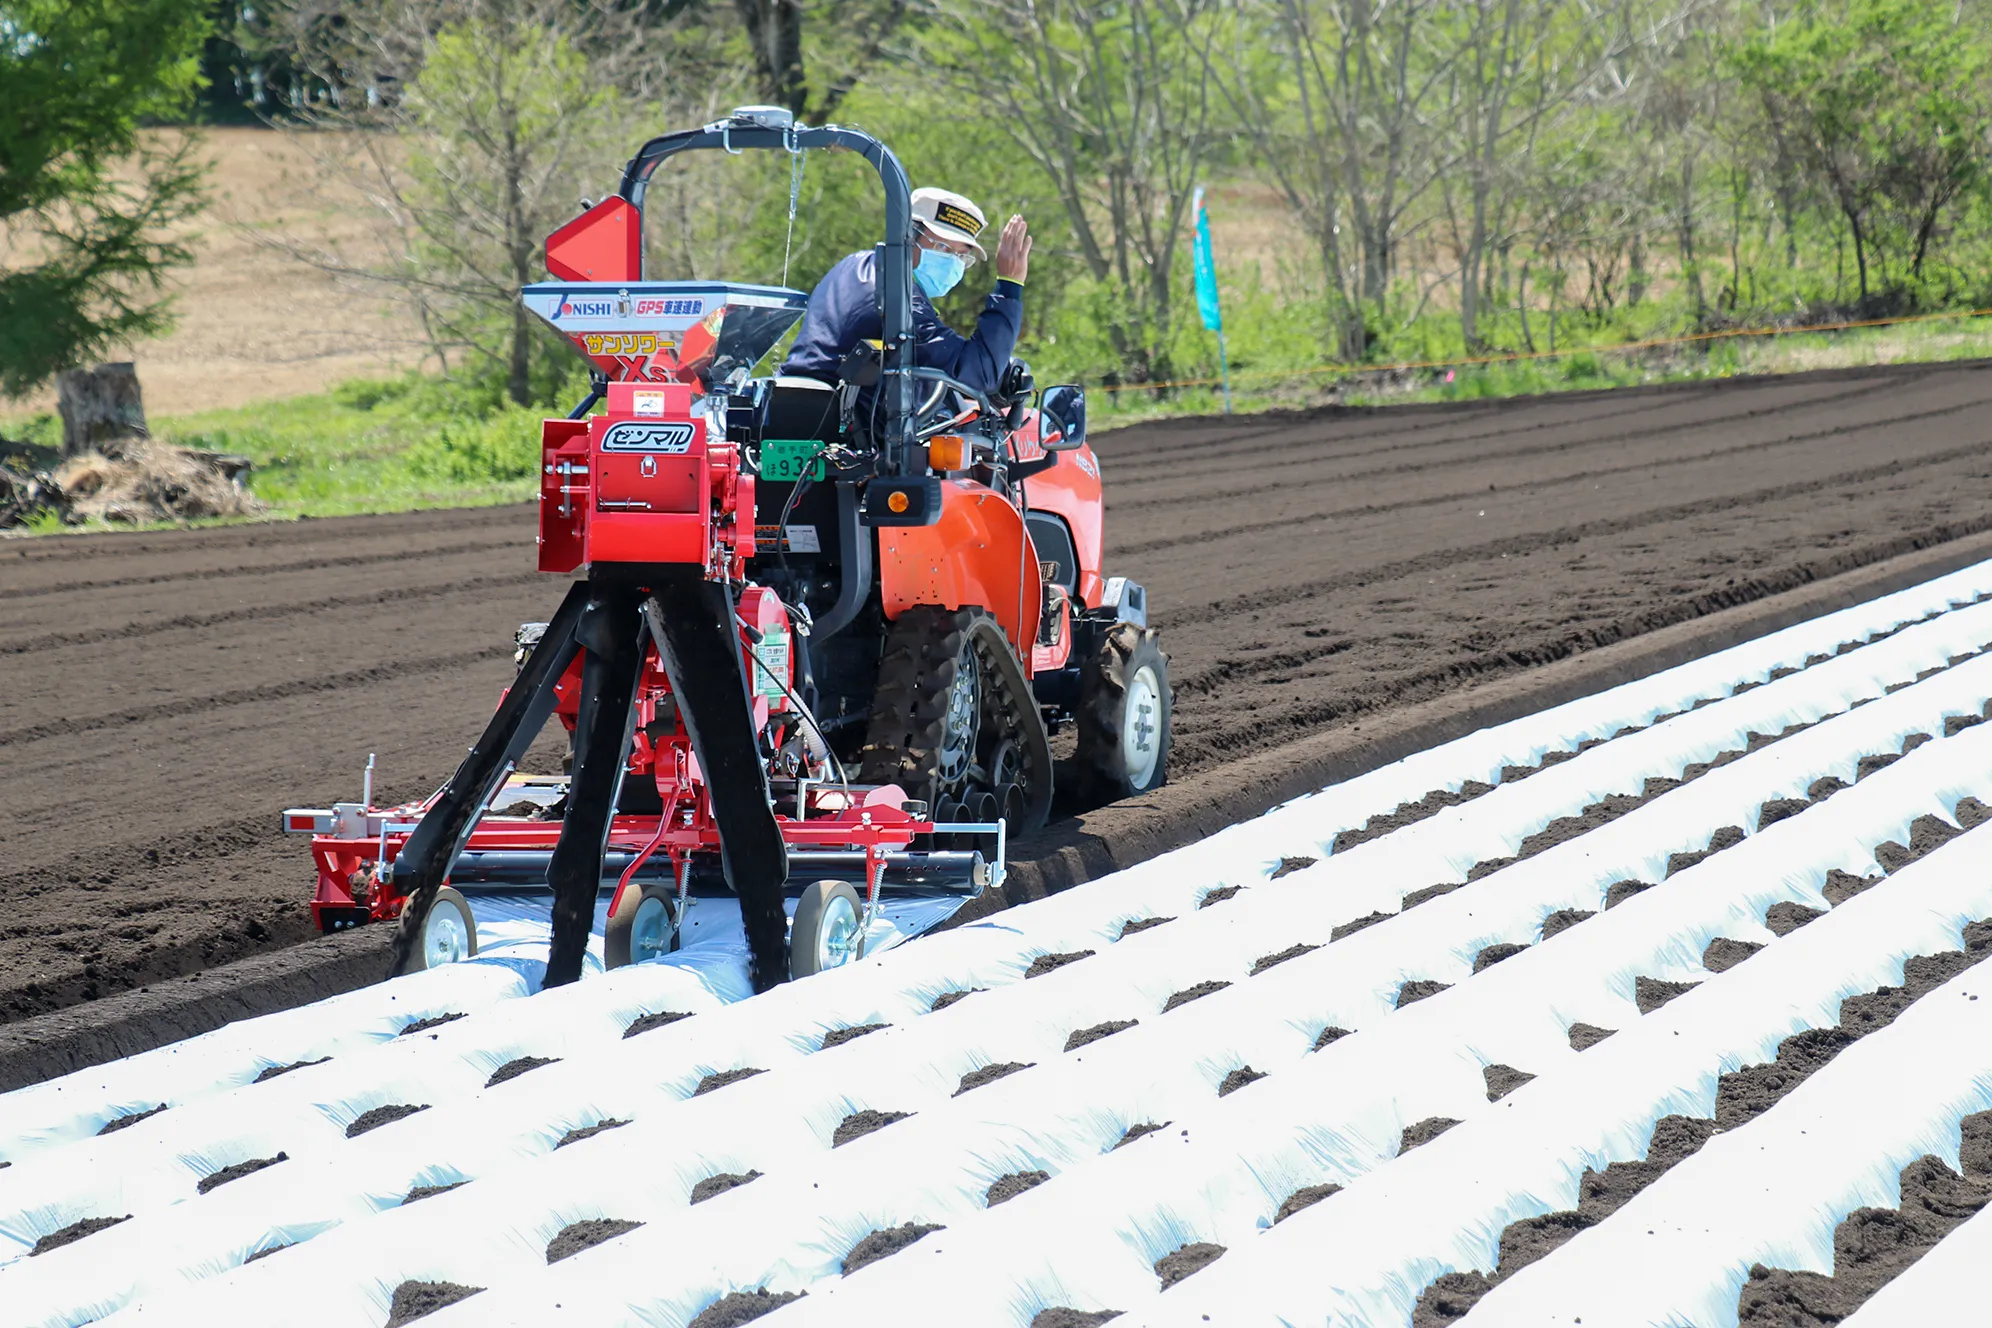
(1063, 411)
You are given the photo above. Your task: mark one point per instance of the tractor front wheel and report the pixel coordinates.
(1125, 710)
(643, 925)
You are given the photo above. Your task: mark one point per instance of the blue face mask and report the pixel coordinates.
(938, 273)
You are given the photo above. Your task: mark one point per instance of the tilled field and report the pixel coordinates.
(1660, 1006)
(169, 693)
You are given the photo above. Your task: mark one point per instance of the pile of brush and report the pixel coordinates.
(147, 482)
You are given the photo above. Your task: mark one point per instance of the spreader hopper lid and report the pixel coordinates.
(667, 331)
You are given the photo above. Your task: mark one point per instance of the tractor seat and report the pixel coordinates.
(800, 408)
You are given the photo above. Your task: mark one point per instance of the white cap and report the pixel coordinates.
(950, 216)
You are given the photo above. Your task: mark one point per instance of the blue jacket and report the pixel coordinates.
(844, 310)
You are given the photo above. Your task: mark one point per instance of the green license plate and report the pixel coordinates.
(788, 458)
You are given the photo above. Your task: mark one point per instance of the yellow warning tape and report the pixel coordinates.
(1519, 356)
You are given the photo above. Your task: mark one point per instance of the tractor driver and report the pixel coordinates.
(844, 307)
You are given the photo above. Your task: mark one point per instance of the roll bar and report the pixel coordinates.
(761, 127)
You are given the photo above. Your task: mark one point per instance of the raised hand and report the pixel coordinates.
(1013, 251)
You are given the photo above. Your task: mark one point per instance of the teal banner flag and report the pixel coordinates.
(1206, 266)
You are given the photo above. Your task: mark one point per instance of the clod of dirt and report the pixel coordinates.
(1564, 919)
(1494, 954)
(1449, 1298)
(1652, 993)
(712, 1083)
(1046, 963)
(1192, 1258)
(1431, 892)
(413, 1300)
(1423, 1132)
(861, 1123)
(1005, 1188)
(890, 1240)
(1418, 989)
(1957, 724)
(267, 1252)
(739, 1307)
(1777, 809)
(1619, 891)
(1196, 993)
(1058, 1316)
(511, 1070)
(1219, 895)
(1746, 1093)
(421, 1192)
(433, 1021)
(1355, 925)
(273, 1071)
(376, 1117)
(1785, 918)
(1878, 761)
(1305, 1197)
(1927, 834)
(643, 1023)
(1132, 926)
(714, 1186)
(1137, 1131)
(1585, 1036)
(1915, 740)
(1726, 838)
(1825, 787)
(1503, 1080)
(127, 1121)
(1288, 866)
(1410, 813)
(214, 1180)
(1841, 885)
(989, 1074)
(837, 1037)
(1238, 1078)
(1294, 951)
(1083, 1036)
(1724, 953)
(947, 998)
(579, 1236)
(1329, 1034)
(589, 1131)
(1971, 813)
(74, 1232)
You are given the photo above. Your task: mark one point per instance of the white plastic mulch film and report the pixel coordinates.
(1271, 1061)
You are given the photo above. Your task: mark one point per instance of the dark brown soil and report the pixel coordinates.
(424, 1025)
(861, 1123)
(712, 1083)
(1418, 989)
(1927, 834)
(1652, 993)
(125, 1122)
(1219, 895)
(1049, 963)
(1785, 918)
(1355, 925)
(216, 1179)
(1084, 1036)
(1188, 994)
(1424, 1131)
(1305, 1197)
(275, 1071)
(375, 1117)
(1295, 951)
(989, 1074)
(1872, 1246)
(1192, 1258)
(1060, 1317)
(947, 998)
(511, 1070)
(1238, 1078)
(74, 1232)
(1620, 891)
(837, 1037)
(1503, 1080)
(1494, 954)
(1329, 1034)
(1610, 515)
(267, 1251)
(1724, 954)
(643, 1023)
(575, 1136)
(739, 1307)
(879, 1244)
(1139, 925)
(1410, 813)
(1138, 1131)
(413, 1300)
(1005, 1188)
(714, 1186)
(579, 1236)
(1290, 865)
(1585, 1036)
(1563, 918)
(421, 1192)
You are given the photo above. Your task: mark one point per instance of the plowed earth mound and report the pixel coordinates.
(168, 694)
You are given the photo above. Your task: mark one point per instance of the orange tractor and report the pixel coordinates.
(811, 640)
